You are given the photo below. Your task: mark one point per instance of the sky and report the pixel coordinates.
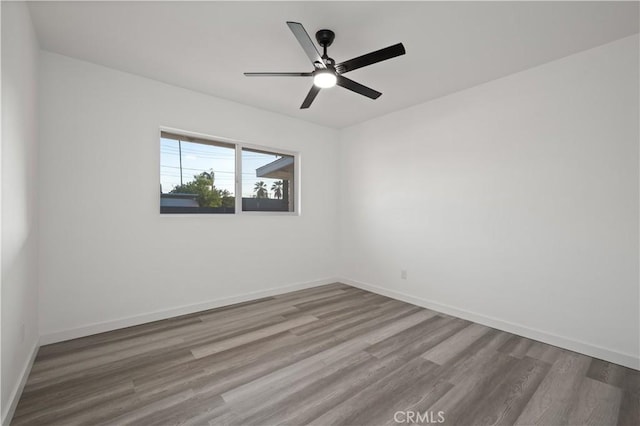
(198, 158)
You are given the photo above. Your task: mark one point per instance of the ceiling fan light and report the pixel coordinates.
(324, 79)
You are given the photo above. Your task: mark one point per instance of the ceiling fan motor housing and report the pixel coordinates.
(325, 37)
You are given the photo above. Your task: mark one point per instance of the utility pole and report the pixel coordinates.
(180, 155)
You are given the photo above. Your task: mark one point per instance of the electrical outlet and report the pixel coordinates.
(403, 274)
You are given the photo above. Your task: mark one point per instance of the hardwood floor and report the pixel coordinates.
(331, 355)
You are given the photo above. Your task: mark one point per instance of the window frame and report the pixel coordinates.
(238, 146)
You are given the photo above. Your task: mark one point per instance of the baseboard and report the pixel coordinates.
(626, 360)
(101, 327)
(7, 414)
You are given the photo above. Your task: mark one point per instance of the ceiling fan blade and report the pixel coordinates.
(278, 74)
(357, 87)
(371, 58)
(305, 41)
(310, 97)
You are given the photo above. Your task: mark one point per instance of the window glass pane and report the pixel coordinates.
(196, 177)
(267, 181)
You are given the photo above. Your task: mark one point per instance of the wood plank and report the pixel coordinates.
(256, 409)
(629, 412)
(419, 338)
(557, 393)
(245, 338)
(516, 346)
(354, 325)
(66, 405)
(611, 374)
(378, 396)
(476, 358)
(596, 404)
(224, 379)
(324, 394)
(455, 344)
(545, 353)
(506, 401)
(320, 360)
(472, 391)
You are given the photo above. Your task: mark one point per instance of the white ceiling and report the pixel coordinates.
(206, 46)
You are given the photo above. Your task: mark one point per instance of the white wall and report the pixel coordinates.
(19, 202)
(514, 203)
(108, 256)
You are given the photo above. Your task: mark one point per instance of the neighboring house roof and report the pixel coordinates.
(178, 200)
(282, 168)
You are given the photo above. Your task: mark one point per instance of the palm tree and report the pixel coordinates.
(277, 189)
(261, 190)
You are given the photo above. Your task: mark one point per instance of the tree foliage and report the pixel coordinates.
(261, 190)
(207, 194)
(277, 189)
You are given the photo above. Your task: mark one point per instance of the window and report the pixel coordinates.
(267, 183)
(201, 175)
(196, 175)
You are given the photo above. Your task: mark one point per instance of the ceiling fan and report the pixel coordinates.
(326, 72)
